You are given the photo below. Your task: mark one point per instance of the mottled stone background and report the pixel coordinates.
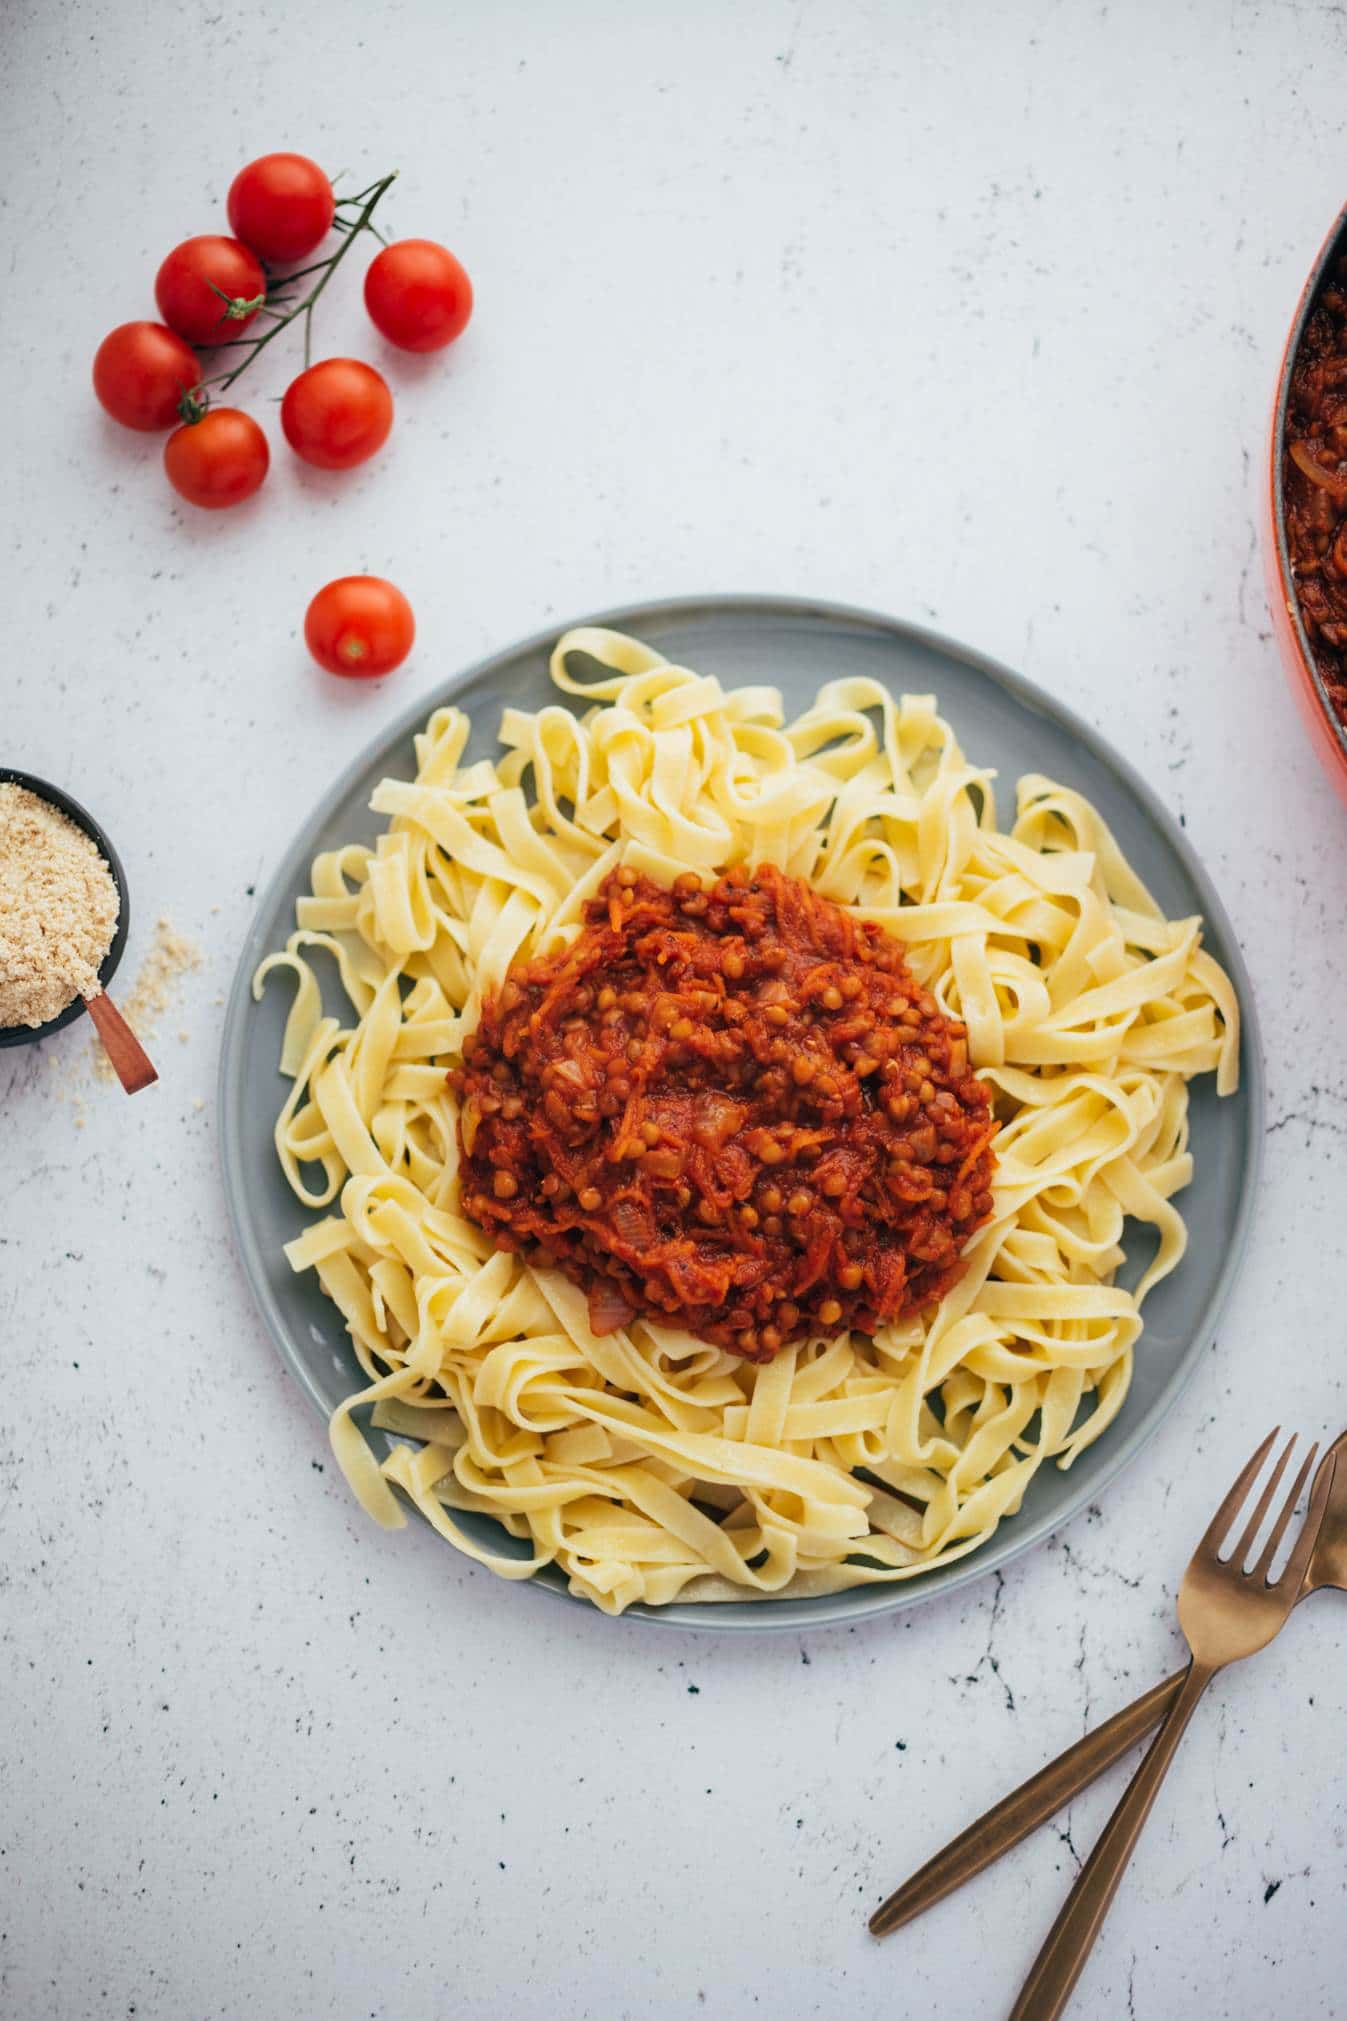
(969, 313)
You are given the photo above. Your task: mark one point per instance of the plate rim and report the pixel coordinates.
(879, 1599)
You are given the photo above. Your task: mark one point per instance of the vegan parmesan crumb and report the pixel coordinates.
(155, 988)
(58, 909)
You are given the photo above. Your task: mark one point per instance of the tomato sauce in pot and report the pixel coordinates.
(1315, 482)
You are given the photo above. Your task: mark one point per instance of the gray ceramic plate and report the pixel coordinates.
(1000, 720)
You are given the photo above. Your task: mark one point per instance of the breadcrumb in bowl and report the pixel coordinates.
(17, 1035)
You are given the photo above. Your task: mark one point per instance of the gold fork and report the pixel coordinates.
(1225, 1613)
(984, 1841)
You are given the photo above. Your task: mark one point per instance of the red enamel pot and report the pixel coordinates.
(1328, 734)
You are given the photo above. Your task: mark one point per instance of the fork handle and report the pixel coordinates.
(1058, 1965)
(1026, 1808)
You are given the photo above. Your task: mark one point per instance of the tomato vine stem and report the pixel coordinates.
(195, 402)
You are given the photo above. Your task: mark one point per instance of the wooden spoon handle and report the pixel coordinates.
(130, 1059)
(1027, 1807)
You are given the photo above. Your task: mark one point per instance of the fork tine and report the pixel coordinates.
(1234, 1501)
(1297, 1564)
(1255, 1522)
(1269, 1550)
(1309, 1529)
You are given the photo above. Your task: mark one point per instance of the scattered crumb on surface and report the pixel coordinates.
(155, 988)
(67, 1073)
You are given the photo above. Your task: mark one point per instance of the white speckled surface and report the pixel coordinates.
(972, 314)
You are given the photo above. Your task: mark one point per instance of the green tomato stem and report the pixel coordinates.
(368, 200)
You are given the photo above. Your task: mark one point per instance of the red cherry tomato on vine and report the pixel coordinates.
(219, 460)
(337, 413)
(185, 284)
(359, 625)
(418, 295)
(281, 205)
(141, 371)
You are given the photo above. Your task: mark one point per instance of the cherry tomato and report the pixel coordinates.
(187, 299)
(359, 625)
(281, 205)
(418, 295)
(141, 371)
(219, 460)
(337, 413)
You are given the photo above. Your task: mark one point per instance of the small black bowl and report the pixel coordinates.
(21, 1035)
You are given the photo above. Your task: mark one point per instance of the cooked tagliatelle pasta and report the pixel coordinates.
(648, 1464)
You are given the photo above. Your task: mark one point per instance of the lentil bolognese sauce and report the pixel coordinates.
(729, 1107)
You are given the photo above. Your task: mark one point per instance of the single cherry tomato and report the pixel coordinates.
(418, 295)
(337, 413)
(219, 460)
(281, 205)
(359, 625)
(141, 371)
(185, 285)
